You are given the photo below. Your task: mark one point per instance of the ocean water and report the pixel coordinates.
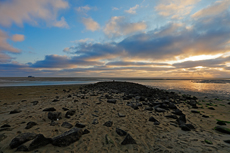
(214, 87)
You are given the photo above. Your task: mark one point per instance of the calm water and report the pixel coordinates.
(213, 87)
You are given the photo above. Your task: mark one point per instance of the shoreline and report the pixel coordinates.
(128, 106)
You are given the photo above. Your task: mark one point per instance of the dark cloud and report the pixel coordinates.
(123, 63)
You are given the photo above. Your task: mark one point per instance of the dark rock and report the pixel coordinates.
(221, 122)
(229, 103)
(195, 111)
(67, 138)
(39, 141)
(69, 96)
(53, 123)
(15, 111)
(227, 141)
(55, 100)
(112, 101)
(205, 116)
(65, 109)
(53, 116)
(184, 127)
(67, 125)
(121, 115)
(211, 108)
(182, 118)
(30, 125)
(149, 108)
(22, 148)
(160, 110)
(50, 109)
(22, 138)
(121, 132)
(34, 102)
(139, 104)
(108, 123)
(79, 125)
(108, 96)
(222, 129)
(172, 116)
(86, 131)
(95, 121)
(190, 126)
(172, 106)
(177, 112)
(135, 107)
(70, 113)
(2, 137)
(5, 125)
(94, 115)
(128, 140)
(108, 140)
(152, 119)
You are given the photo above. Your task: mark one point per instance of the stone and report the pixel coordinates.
(121, 115)
(177, 112)
(172, 116)
(190, 126)
(172, 106)
(227, 141)
(79, 125)
(211, 108)
(182, 118)
(15, 111)
(205, 116)
(135, 107)
(30, 125)
(112, 101)
(184, 127)
(53, 116)
(160, 109)
(70, 112)
(108, 140)
(222, 129)
(34, 102)
(39, 141)
(128, 140)
(65, 109)
(55, 100)
(86, 131)
(2, 137)
(22, 138)
(221, 122)
(67, 125)
(22, 148)
(108, 123)
(5, 126)
(121, 132)
(208, 141)
(152, 119)
(95, 121)
(53, 123)
(149, 108)
(67, 137)
(50, 109)
(195, 111)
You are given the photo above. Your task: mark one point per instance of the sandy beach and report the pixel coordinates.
(111, 117)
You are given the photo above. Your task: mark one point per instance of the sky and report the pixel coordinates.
(103, 38)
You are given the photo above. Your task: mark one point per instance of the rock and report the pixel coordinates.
(39, 141)
(172, 106)
(177, 112)
(22, 148)
(108, 123)
(121, 132)
(190, 126)
(108, 140)
(2, 137)
(211, 108)
(121, 115)
(222, 129)
(5, 125)
(208, 141)
(30, 125)
(229, 103)
(135, 107)
(221, 122)
(195, 111)
(184, 127)
(53, 123)
(67, 125)
(112, 101)
(34, 102)
(65, 109)
(95, 121)
(67, 138)
(55, 100)
(86, 131)
(160, 110)
(172, 116)
(152, 119)
(79, 125)
(182, 118)
(128, 140)
(149, 108)
(53, 116)
(15, 111)
(70, 112)
(205, 116)
(227, 141)
(22, 138)
(50, 109)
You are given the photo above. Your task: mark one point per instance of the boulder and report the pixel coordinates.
(39, 141)
(128, 140)
(222, 129)
(67, 125)
(22, 138)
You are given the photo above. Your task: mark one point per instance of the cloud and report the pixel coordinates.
(90, 24)
(83, 40)
(132, 10)
(126, 63)
(213, 10)
(176, 9)
(115, 8)
(118, 26)
(4, 46)
(32, 11)
(85, 9)
(18, 37)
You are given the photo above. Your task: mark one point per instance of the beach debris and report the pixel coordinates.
(128, 140)
(30, 125)
(50, 109)
(70, 112)
(222, 129)
(80, 125)
(67, 125)
(108, 123)
(15, 111)
(39, 141)
(67, 137)
(21, 138)
(53, 116)
(121, 132)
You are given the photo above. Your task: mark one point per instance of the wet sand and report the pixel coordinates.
(91, 102)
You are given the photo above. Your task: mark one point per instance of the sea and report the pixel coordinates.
(217, 88)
